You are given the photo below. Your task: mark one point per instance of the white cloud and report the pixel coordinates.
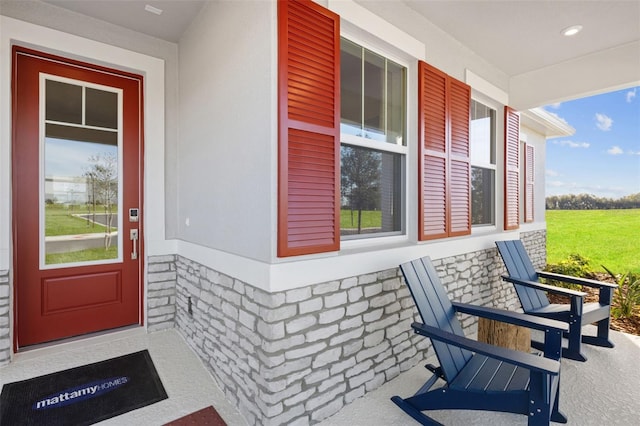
(556, 105)
(634, 152)
(630, 95)
(573, 144)
(603, 122)
(551, 173)
(615, 150)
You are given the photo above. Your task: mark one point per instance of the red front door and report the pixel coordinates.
(77, 197)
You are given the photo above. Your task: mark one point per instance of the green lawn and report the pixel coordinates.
(370, 219)
(605, 237)
(82, 256)
(59, 221)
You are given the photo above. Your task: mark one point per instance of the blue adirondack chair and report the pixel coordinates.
(577, 314)
(477, 375)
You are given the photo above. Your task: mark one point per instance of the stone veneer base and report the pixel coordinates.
(299, 356)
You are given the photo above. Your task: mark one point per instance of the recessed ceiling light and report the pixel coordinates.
(571, 31)
(152, 9)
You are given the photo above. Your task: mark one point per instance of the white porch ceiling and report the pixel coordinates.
(520, 36)
(174, 20)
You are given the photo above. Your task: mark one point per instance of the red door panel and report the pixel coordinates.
(68, 298)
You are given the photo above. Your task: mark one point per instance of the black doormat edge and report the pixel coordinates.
(102, 390)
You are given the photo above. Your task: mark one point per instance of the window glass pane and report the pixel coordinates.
(102, 109)
(395, 103)
(482, 134)
(374, 94)
(63, 102)
(351, 87)
(371, 191)
(482, 200)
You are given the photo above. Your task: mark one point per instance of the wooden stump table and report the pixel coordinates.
(504, 335)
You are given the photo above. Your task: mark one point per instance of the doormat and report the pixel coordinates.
(83, 395)
(205, 417)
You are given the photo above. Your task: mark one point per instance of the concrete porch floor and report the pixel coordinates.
(603, 391)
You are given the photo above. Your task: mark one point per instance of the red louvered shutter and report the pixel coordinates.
(459, 160)
(444, 166)
(511, 168)
(309, 128)
(432, 156)
(529, 178)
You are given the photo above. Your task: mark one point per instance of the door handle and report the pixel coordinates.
(133, 235)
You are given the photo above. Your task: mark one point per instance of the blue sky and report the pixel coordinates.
(603, 156)
(71, 158)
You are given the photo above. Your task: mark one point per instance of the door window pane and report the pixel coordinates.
(102, 109)
(81, 179)
(63, 102)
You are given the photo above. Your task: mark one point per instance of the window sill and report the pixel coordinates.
(373, 243)
(484, 229)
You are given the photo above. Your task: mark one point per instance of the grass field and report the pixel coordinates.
(82, 256)
(605, 237)
(59, 221)
(370, 219)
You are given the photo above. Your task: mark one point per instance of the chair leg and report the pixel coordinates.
(556, 415)
(602, 338)
(575, 341)
(414, 412)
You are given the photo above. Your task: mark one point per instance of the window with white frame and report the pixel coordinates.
(373, 143)
(483, 163)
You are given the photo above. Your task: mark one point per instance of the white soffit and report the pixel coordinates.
(546, 123)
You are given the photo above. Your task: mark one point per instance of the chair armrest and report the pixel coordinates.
(545, 287)
(521, 359)
(516, 318)
(575, 280)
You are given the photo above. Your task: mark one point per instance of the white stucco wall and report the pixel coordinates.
(226, 149)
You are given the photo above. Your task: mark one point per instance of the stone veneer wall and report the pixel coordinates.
(299, 356)
(536, 244)
(5, 335)
(161, 292)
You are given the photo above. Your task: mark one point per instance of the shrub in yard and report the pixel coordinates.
(626, 300)
(575, 265)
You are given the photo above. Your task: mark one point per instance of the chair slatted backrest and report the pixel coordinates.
(519, 266)
(436, 310)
